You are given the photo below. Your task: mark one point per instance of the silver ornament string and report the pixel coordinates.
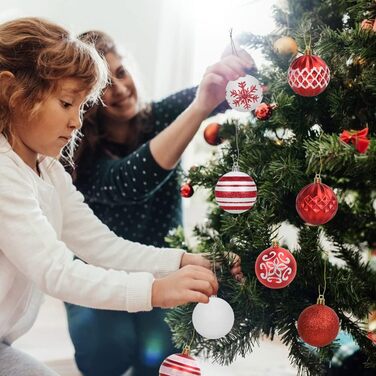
(235, 166)
(236, 162)
(233, 48)
(321, 298)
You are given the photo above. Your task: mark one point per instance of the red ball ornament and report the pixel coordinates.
(179, 365)
(186, 190)
(308, 75)
(275, 267)
(318, 325)
(235, 192)
(316, 203)
(368, 24)
(211, 134)
(264, 111)
(372, 337)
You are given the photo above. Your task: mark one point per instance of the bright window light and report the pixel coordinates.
(213, 20)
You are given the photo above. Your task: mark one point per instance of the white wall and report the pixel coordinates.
(136, 24)
(172, 41)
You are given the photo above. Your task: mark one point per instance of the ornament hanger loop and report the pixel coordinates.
(321, 298)
(233, 44)
(235, 166)
(187, 348)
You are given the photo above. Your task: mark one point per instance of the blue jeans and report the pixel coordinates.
(108, 343)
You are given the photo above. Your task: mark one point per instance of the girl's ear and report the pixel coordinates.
(6, 75)
(6, 82)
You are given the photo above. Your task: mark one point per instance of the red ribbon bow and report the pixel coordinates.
(359, 139)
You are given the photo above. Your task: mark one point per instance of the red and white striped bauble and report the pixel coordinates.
(179, 365)
(235, 192)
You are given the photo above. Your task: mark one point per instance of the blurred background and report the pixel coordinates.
(169, 44)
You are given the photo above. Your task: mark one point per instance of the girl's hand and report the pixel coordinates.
(195, 259)
(203, 260)
(212, 89)
(235, 265)
(190, 284)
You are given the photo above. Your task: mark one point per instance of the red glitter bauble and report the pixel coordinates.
(275, 267)
(308, 75)
(211, 134)
(186, 190)
(318, 325)
(179, 365)
(316, 203)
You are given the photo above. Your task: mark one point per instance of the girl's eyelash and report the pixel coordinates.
(65, 104)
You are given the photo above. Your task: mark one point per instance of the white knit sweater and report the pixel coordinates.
(43, 222)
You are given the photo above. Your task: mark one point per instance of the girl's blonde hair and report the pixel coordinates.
(39, 53)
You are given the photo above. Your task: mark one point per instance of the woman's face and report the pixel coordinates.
(120, 97)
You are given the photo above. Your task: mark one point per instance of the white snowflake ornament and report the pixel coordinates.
(244, 94)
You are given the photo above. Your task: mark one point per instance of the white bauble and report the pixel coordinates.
(214, 319)
(244, 94)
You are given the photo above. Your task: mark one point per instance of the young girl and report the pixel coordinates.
(46, 76)
(125, 169)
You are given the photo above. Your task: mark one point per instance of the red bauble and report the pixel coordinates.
(372, 337)
(367, 24)
(264, 111)
(186, 190)
(308, 75)
(275, 267)
(211, 134)
(318, 325)
(235, 192)
(316, 203)
(179, 365)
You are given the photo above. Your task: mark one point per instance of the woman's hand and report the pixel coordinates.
(190, 284)
(212, 89)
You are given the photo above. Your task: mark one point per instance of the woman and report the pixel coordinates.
(126, 169)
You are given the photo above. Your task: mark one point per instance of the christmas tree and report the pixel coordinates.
(300, 135)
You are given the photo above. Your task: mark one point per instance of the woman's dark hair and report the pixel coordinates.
(94, 135)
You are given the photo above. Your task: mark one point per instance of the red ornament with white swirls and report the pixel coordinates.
(316, 203)
(308, 75)
(179, 365)
(275, 267)
(318, 325)
(235, 192)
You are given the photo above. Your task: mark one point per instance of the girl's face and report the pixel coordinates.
(120, 97)
(54, 124)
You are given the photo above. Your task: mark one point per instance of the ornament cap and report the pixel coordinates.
(321, 299)
(235, 167)
(186, 350)
(317, 178)
(275, 243)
